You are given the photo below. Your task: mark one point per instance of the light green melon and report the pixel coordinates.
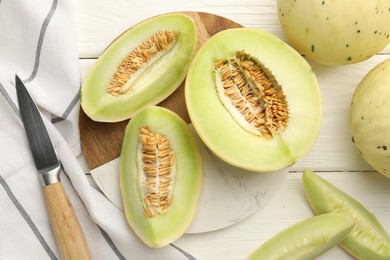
(154, 82)
(368, 239)
(369, 117)
(336, 32)
(306, 239)
(186, 174)
(221, 131)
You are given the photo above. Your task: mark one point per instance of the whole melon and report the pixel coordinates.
(369, 117)
(336, 32)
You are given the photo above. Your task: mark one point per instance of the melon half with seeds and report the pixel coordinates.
(160, 175)
(141, 67)
(253, 100)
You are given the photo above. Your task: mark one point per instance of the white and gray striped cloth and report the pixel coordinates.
(38, 42)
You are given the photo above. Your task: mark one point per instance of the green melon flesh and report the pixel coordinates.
(307, 239)
(160, 78)
(369, 117)
(336, 32)
(368, 239)
(161, 230)
(221, 132)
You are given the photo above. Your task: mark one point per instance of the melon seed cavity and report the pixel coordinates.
(139, 59)
(156, 164)
(251, 94)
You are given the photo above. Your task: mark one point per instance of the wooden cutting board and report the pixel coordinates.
(101, 142)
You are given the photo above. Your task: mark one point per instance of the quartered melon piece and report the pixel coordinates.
(141, 67)
(160, 175)
(253, 100)
(306, 239)
(368, 238)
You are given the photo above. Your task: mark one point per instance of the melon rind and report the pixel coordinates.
(220, 132)
(155, 84)
(306, 239)
(336, 32)
(161, 230)
(369, 117)
(368, 239)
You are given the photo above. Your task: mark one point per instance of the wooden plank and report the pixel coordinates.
(334, 149)
(287, 207)
(98, 24)
(100, 21)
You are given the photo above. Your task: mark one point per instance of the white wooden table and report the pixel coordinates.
(334, 156)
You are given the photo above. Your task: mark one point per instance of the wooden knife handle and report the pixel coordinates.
(66, 228)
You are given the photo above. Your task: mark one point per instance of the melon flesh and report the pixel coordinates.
(221, 132)
(306, 239)
(154, 83)
(368, 239)
(160, 230)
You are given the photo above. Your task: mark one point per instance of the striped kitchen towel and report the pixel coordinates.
(38, 42)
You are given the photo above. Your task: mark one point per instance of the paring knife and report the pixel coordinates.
(67, 231)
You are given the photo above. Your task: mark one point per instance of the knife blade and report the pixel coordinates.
(67, 231)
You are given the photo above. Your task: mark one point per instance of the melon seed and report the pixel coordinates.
(154, 47)
(251, 94)
(157, 176)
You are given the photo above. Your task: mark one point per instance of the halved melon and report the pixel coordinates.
(141, 67)
(160, 175)
(253, 100)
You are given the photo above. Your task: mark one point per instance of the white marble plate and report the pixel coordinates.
(229, 194)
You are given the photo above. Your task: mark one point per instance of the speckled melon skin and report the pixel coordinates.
(336, 32)
(369, 117)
